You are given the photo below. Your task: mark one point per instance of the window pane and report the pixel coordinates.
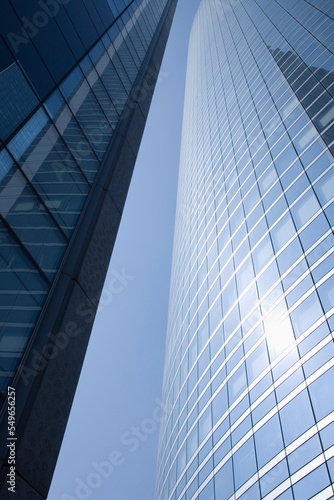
(268, 441)
(321, 392)
(244, 463)
(296, 417)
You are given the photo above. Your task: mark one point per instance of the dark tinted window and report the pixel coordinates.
(23, 50)
(82, 22)
(69, 32)
(17, 98)
(94, 15)
(104, 11)
(46, 36)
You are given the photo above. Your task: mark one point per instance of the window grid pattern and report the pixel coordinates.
(49, 165)
(249, 356)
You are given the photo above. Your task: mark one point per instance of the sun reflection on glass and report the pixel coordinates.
(278, 332)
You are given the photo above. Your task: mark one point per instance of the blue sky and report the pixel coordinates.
(110, 445)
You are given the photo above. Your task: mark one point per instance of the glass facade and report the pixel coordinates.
(60, 110)
(249, 368)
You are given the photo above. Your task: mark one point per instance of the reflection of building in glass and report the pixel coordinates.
(314, 88)
(76, 81)
(249, 370)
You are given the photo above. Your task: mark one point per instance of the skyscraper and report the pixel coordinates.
(249, 368)
(76, 81)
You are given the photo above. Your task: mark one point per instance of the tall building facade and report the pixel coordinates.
(76, 81)
(249, 368)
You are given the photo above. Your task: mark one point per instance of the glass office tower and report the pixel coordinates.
(76, 81)
(249, 370)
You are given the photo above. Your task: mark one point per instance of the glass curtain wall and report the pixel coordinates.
(249, 368)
